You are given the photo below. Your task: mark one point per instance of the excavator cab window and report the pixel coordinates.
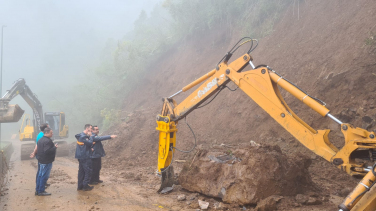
(53, 120)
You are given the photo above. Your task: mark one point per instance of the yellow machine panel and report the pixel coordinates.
(26, 131)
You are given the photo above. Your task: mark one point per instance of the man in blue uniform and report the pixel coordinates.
(97, 154)
(83, 153)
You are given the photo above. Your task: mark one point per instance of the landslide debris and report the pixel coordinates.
(246, 176)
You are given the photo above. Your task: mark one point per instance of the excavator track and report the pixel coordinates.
(62, 150)
(27, 149)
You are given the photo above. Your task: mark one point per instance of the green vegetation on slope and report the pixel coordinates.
(98, 99)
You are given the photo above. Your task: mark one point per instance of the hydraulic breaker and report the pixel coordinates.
(167, 138)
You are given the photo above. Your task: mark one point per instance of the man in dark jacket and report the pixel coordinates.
(98, 153)
(83, 153)
(46, 150)
(34, 153)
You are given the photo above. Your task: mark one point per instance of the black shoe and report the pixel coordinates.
(80, 188)
(44, 193)
(88, 188)
(36, 193)
(100, 181)
(93, 183)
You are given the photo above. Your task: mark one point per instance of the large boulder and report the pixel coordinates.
(246, 176)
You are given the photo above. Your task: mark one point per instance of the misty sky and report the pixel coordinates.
(51, 43)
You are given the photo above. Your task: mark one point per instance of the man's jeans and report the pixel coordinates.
(36, 178)
(44, 174)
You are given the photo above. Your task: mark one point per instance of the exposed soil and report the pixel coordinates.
(323, 51)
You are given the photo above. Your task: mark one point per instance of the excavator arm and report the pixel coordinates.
(262, 85)
(172, 112)
(13, 113)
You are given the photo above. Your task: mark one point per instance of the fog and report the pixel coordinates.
(52, 43)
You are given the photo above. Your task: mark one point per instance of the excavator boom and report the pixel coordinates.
(13, 113)
(262, 85)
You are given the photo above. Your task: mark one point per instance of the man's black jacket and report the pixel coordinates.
(98, 147)
(46, 150)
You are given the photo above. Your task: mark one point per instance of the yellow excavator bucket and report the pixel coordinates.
(12, 113)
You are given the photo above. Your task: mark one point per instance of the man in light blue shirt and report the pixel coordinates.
(40, 135)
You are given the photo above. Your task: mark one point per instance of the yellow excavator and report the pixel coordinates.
(28, 131)
(262, 83)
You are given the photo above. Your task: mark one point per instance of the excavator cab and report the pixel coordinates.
(56, 121)
(28, 132)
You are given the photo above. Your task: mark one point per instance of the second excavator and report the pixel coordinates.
(30, 128)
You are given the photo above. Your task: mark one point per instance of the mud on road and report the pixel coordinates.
(125, 188)
(110, 195)
(129, 187)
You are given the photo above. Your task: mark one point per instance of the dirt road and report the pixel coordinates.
(125, 187)
(110, 195)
